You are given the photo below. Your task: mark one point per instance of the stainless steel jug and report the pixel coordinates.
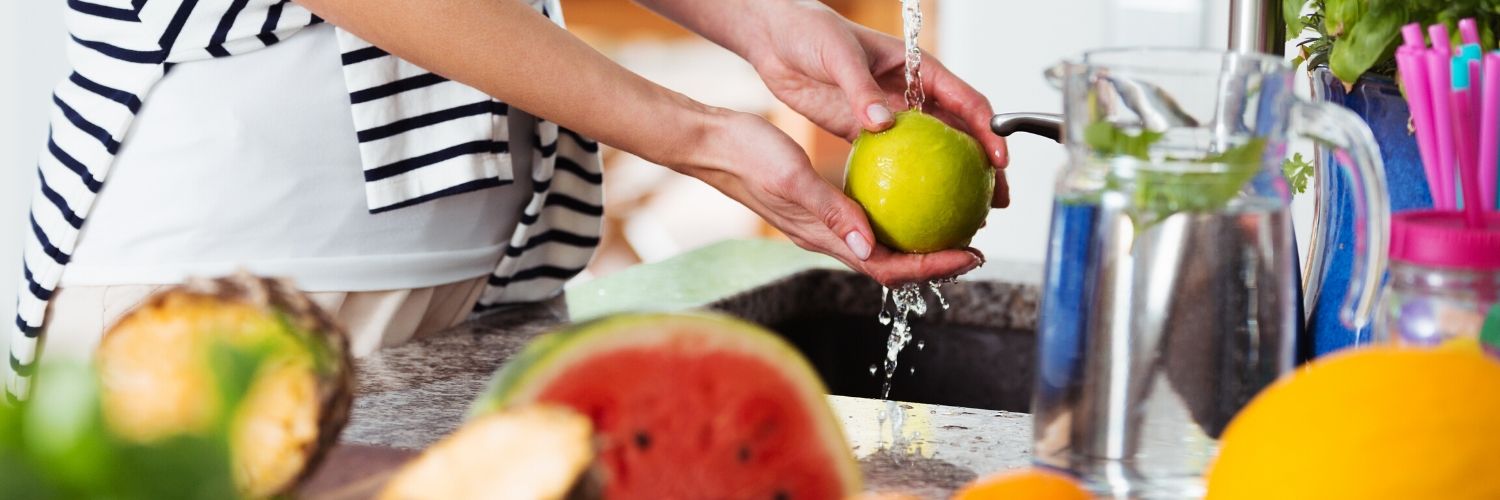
(1171, 292)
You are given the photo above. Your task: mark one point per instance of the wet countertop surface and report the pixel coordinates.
(412, 395)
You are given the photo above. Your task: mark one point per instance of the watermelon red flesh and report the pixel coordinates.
(677, 422)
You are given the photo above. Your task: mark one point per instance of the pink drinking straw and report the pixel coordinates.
(1438, 85)
(1413, 71)
(1461, 99)
(1463, 111)
(1468, 30)
(1440, 38)
(1412, 35)
(1475, 91)
(1489, 129)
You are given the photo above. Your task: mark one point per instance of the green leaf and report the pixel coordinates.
(1291, 12)
(1297, 172)
(1489, 333)
(65, 433)
(185, 467)
(1371, 38)
(1340, 16)
(1107, 139)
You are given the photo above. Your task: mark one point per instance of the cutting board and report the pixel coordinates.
(354, 472)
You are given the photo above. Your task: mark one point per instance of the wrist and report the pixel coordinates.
(700, 141)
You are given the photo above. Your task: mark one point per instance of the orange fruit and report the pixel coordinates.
(1025, 484)
(1370, 424)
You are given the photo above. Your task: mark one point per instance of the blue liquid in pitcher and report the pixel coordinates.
(1153, 335)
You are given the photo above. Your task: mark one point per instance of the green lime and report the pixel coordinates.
(924, 185)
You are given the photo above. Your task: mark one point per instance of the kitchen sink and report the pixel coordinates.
(958, 365)
(979, 353)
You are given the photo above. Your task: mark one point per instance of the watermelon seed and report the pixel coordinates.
(782, 495)
(642, 440)
(744, 454)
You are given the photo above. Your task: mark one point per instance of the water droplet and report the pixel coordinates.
(911, 370)
(885, 316)
(921, 344)
(872, 369)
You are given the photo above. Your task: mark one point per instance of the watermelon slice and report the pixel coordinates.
(688, 406)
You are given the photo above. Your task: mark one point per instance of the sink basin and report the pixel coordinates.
(958, 365)
(979, 353)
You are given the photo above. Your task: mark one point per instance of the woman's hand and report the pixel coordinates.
(846, 77)
(758, 165)
(842, 76)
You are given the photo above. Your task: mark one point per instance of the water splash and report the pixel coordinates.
(898, 424)
(911, 30)
(934, 287)
(907, 301)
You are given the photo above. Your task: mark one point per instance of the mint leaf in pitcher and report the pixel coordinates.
(1159, 193)
(1111, 140)
(1163, 194)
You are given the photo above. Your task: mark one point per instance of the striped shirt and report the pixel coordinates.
(421, 137)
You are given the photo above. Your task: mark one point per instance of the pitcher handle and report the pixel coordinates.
(1354, 145)
(1047, 125)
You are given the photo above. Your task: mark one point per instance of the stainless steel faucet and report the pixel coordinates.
(1256, 26)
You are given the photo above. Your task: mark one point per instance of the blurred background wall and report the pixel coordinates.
(1001, 47)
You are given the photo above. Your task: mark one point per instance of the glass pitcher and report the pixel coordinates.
(1171, 291)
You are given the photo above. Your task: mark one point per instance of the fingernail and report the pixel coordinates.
(978, 259)
(858, 245)
(878, 114)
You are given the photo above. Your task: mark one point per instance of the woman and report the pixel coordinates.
(440, 196)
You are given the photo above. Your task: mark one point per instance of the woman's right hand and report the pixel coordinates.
(752, 161)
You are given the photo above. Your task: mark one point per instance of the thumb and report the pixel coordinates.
(842, 216)
(865, 96)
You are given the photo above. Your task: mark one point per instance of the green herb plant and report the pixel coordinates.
(1355, 37)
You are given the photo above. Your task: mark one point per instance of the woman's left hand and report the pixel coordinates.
(846, 77)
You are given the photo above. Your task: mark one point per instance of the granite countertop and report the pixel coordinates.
(412, 395)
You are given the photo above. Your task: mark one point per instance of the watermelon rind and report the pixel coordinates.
(550, 356)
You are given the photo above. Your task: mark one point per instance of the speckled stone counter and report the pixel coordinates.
(410, 396)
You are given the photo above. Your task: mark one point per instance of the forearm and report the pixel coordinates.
(507, 50)
(738, 25)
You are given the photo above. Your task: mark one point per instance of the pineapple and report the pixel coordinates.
(163, 373)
